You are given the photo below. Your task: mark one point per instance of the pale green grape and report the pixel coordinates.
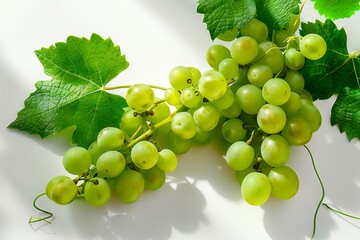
(240, 155)
(280, 37)
(294, 60)
(255, 29)
(131, 121)
(271, 118)
(312, 46)
(196, 74)
(130, 186)
(95, 152)
(304, 94)
(61, 189)
(191, 97)
(225, 101)
(249, 98)
(176, 144)
(276, 91)
(293, 105)
(144, 154)
(295, 80)
(284, 182)
(275, 150)
(159, 113)
(140, 97)
(212, 85)
(172, 96)
(111, 138)
(271, 55)
(206, 117)
(311, 114)
(167, 161)
(231, 112)
(183, 125)
(154, 178)
(259, 73)
(76, 160)
(202, 137)
(110, 164)
(244, 50)
(241, 174)
(256, 188)
(297, 131)
(97, 192)
(229, 35)
(215, 54)
(229, 68)
(180, 77)
(232, 130)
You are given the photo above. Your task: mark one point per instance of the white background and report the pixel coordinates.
(201, 199)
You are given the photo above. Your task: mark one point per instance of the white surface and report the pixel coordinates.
(203, 200)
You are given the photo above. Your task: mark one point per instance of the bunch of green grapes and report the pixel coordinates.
(252, 99)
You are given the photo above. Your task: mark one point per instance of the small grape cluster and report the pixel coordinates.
(252, 101)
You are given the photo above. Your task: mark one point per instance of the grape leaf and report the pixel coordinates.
(79, 69)
(346, 112)
(335, 9)
(223, 15)
(336, 69)
(276, 14)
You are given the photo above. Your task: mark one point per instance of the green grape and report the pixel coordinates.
(97, 192)
(154, 178)
(312, 46)
(229, 68)
(304, 94)
(95, 152)
(160, 112)
(206, 117)
(225, 101)
(244, 50)
(276, 91)
(196, 74)
(295, 80)
(311, 114)
(231, 112)
(229, 35)
(202, 137)
(110, 164)
(249, 98)
(215, 54)
(61, 189)
(240, 155)
(259, 73)
(255, 29)
(111, 138)
(212, 85)
(131, 121)
(172, 96)
(275, 150)
(144, 154)
(256, 188)
(297, 131)
(232, 130)
(294, 60)
(281, 36)
(271, 118)
(167, 161)
(180, 77)
(176, 144)
(130, 186)
(76, 160)
(293, 105)
(271, 55)
(140, 97)
(284, 182)
(183, 125)
(191, 97)
(241, 174)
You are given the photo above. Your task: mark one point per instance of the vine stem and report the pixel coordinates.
(332, 208)
(128, 86)
(322, 191)
(32, 219)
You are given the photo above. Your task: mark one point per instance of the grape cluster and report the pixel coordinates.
(252, 100)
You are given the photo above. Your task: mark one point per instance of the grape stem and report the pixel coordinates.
(38, 219)
(322, 192)
(128, 86)
(332, 208)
